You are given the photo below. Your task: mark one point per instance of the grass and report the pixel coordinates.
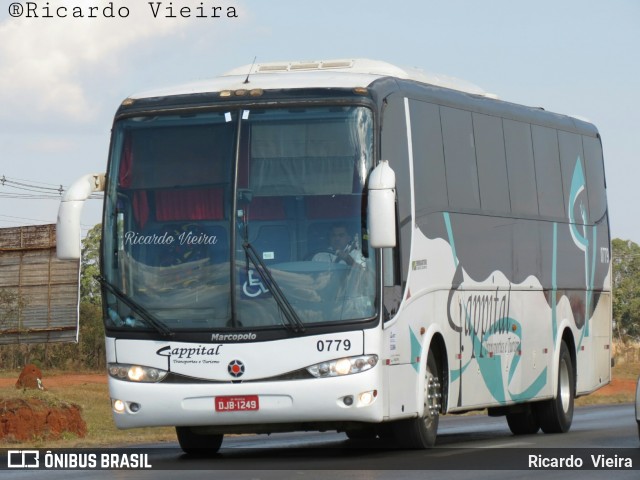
(621, 390)
(96, 410)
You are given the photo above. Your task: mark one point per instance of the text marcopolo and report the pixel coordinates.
(112, 10)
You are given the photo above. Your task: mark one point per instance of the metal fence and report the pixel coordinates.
(38, 293)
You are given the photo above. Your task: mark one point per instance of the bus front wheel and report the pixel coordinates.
(421, 432)
(198, 444)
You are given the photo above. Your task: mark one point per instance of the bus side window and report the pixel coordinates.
(595, 178)
(391, 283)
(394, 147)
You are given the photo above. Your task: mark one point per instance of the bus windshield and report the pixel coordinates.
(239, 219)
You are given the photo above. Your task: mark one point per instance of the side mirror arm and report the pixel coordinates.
(68, 245)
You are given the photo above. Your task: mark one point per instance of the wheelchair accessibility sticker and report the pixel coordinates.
(252, 286)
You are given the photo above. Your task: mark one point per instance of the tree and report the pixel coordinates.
(91, 325)
(626, 288)
(90, 265)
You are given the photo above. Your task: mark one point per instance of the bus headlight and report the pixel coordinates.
(136, 373)
(343, 366)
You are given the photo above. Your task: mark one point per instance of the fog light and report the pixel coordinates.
(119, 406)
(367, 398)
(348, 401)
(134, 407)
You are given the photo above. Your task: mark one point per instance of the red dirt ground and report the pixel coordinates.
(617, 386)
(25, 419)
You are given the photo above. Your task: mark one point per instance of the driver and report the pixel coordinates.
(343, 248)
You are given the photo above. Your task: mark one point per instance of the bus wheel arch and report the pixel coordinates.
(437, 346)
(420, 432)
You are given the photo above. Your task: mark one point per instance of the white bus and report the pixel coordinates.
(349, 246)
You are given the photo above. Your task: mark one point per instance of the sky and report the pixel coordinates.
(62, 79)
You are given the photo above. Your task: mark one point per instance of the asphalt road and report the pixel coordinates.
(469, 447)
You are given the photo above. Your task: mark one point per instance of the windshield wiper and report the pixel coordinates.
(290, 314)
(138, 309)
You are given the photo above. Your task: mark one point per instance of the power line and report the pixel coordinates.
(29, 186)
(21, 221)
(53, 185)
(21, 218)
(36, 187)
(39, 190)
(16, 188)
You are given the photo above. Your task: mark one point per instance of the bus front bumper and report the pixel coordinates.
(241, 406)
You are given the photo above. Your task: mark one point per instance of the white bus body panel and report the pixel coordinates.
(294, 401)
(501, 364)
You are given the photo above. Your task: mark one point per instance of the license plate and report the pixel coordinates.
(242, 403)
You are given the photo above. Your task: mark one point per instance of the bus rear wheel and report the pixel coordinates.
(555, 415)
(198, 444)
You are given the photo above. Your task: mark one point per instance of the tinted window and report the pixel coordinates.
(428, 157)
(548, 174)
(595, 178)
(394, 148)
(572, 175)
(492, 166)
(522, 176)
(460, 158)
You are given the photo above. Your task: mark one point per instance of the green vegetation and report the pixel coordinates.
(626, 289)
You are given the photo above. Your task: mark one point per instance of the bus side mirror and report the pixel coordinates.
(382, 206)
(68, 246)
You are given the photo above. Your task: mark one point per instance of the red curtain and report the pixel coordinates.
(192, 204)
(139, 201)
(171, 205)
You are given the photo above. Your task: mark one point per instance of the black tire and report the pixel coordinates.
(555, 415)
(523, 422)
(197, 444)
(421, 432)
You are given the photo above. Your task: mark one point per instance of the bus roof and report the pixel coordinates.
(343, 73)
